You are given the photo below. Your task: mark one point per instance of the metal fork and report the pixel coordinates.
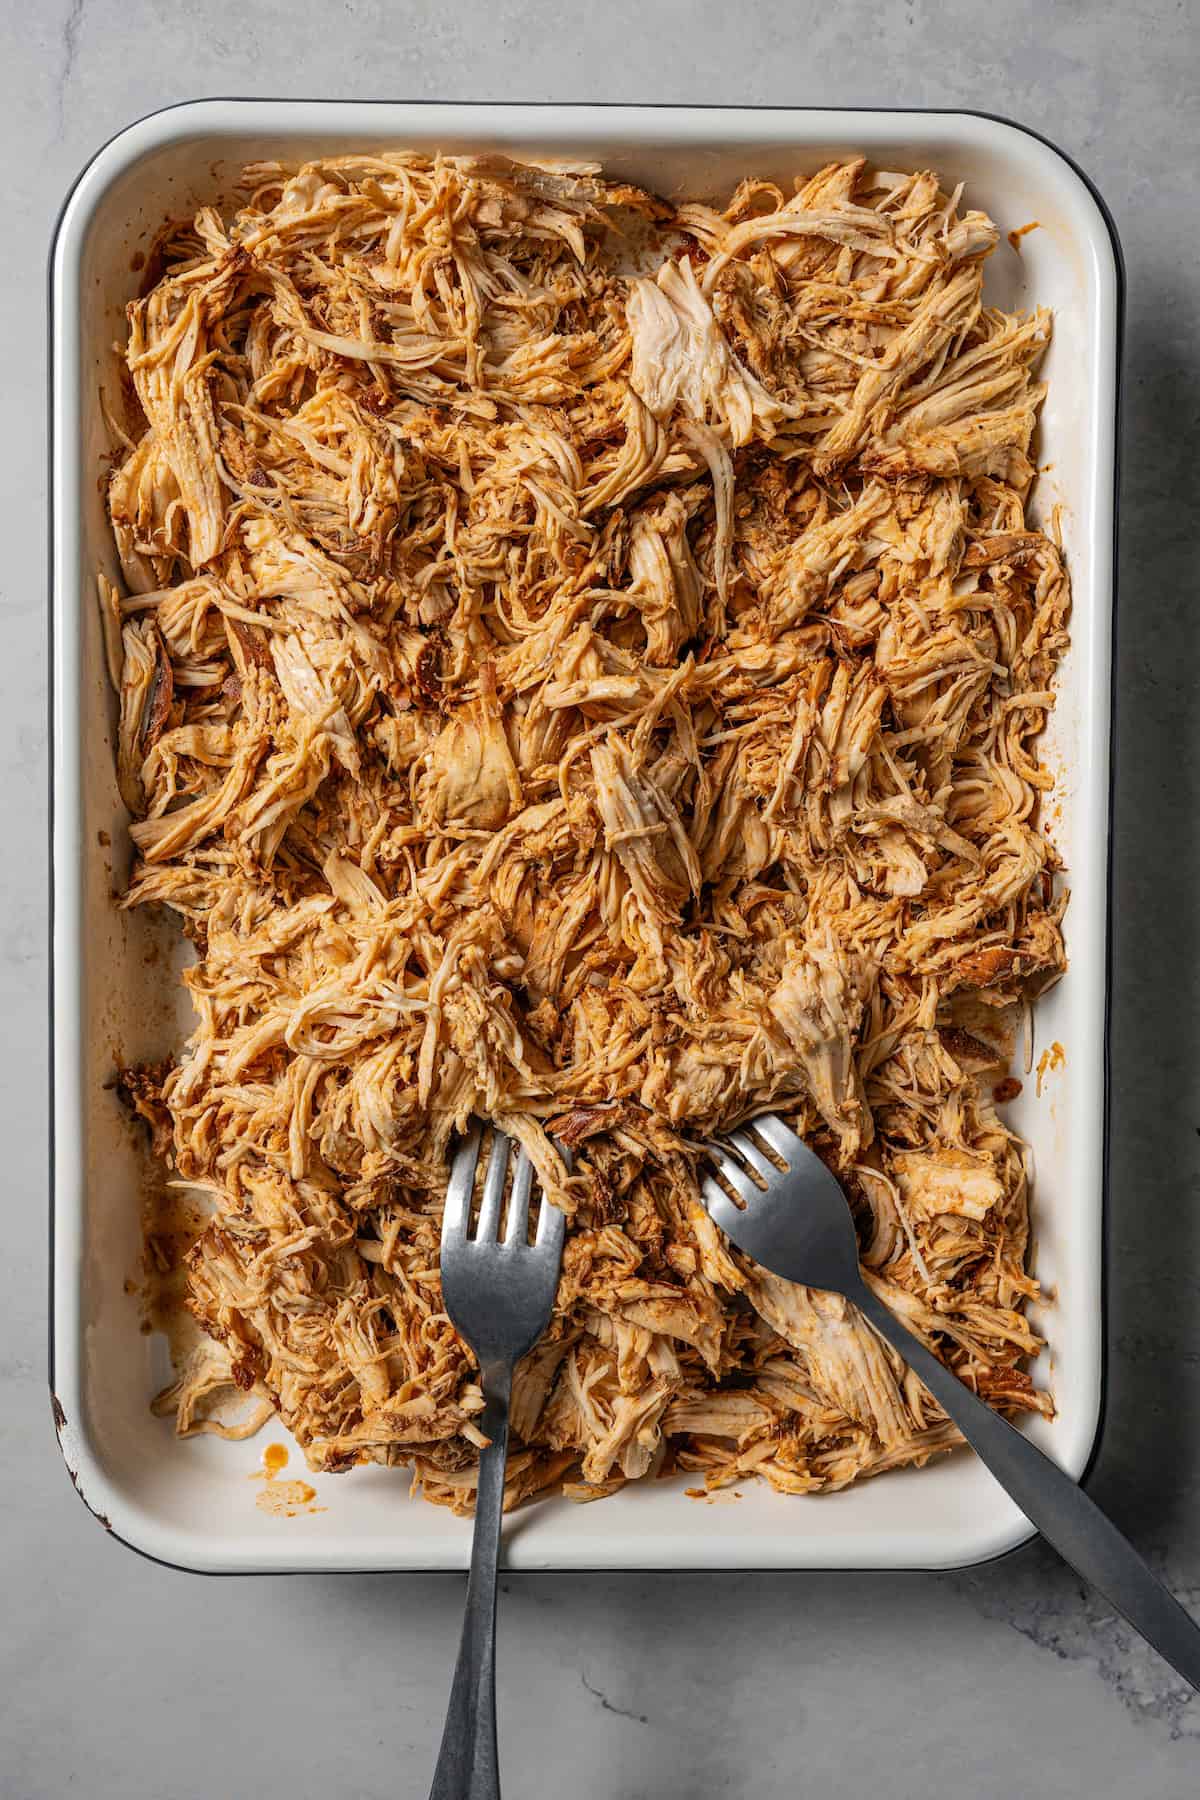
(796, 1222)
(499, 1292)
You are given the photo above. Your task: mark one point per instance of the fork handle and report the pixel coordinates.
(1058, 1506)
(468, 1766)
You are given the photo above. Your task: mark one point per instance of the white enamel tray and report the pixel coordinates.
(192, 1503)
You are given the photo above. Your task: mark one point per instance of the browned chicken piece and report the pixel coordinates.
(580, 663)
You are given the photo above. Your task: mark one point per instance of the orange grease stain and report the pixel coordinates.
(1053, 1058)
(286, 1499)
(283, 1499)
(1014, 237)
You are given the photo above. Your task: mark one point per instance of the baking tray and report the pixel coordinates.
(192, 1503)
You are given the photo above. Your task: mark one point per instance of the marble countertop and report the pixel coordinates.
(121, 1678)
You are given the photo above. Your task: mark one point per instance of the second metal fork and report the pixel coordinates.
(499, 1291)
(786, 1210)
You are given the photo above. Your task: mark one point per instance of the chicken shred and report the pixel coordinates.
(581, 663)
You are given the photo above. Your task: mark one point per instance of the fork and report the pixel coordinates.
(498, 1292)
(796, 1222)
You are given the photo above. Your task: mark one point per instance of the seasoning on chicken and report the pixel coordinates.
(581, 664)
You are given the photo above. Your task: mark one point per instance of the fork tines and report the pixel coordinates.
(460, 1192)
(750, 1171)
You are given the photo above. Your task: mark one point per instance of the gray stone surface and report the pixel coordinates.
(123, 1679)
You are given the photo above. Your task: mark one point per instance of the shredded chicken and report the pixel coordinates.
(581, 663)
